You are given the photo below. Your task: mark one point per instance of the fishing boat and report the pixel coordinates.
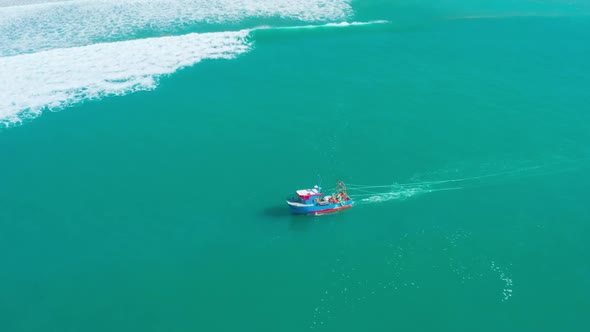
(313, 201)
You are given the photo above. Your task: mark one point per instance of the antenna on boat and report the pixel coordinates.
(319, 183)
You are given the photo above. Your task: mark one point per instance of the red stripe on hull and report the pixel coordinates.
(332, 210)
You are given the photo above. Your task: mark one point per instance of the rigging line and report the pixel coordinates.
(368, 191)
(372, 195)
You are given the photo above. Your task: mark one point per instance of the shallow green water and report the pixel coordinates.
(164, 210)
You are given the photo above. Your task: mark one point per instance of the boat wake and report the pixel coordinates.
(367, 194)
(401, 193)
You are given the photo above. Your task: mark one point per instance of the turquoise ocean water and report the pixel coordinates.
(147, 148)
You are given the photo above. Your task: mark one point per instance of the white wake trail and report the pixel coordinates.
(399, 194)
(400, 191)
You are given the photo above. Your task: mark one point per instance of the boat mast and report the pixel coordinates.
(340, 187)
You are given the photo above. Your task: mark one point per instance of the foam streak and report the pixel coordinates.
(44, 26)
(56, 78)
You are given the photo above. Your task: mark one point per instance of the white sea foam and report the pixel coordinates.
(54, 79)
(56, 53)
(43, 26)
(10, 3)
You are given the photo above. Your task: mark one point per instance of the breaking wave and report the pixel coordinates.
(323, 26)
(39, 26)
(55, 53)
(57, 78)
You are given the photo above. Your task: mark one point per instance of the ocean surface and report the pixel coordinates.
(147, 147)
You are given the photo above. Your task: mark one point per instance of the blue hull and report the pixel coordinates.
(320, 209)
